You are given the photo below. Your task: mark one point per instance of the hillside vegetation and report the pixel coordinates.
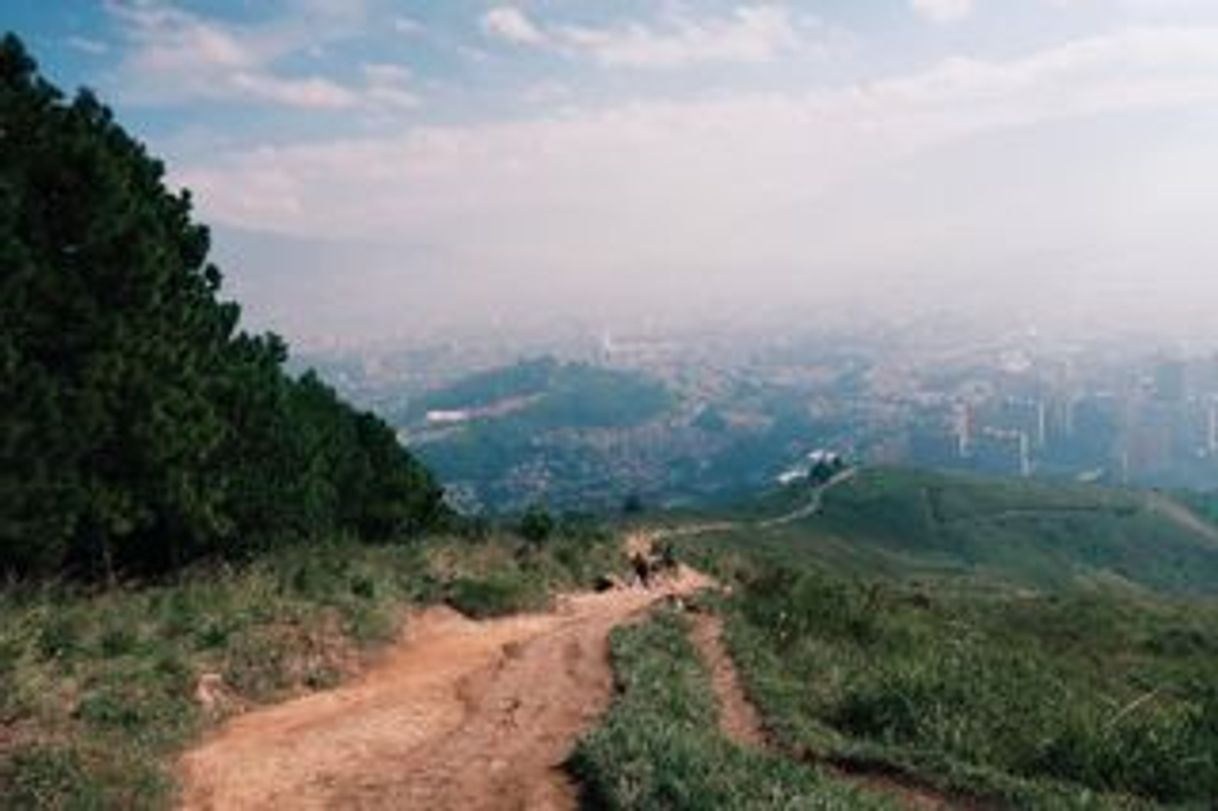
(186, 531)
(142, 429)
(542, 445)
(1004, 532)
(660, 747)
(1021, 644)
(555, 395)
(100, 691)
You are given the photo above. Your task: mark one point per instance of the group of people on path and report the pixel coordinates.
(648, 566)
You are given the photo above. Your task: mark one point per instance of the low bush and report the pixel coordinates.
(494, 596)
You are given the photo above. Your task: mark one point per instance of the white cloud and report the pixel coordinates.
(175, 55)
(93, 47)
(387, 73)
(513, 25)
(311, 92)
(547, 92)
(389, 85)
(1130, 69)
(408, 26)
(943, 11)
(738, 185)
(749, 33)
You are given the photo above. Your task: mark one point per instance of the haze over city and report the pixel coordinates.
(682, 404)
(375, 168)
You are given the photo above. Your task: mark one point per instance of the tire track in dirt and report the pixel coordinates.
(740, 721)
(461, 714)
(738, 718)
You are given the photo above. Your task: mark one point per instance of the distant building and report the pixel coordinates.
(1029, 416)
(822, 456)
(818, 458)
(1002, 451)
(1059, 419)
(936, 445)
(1212, 439)
(965, 424)
(791, 476)
(1156, 436)
(1171, 381)
(447, 417)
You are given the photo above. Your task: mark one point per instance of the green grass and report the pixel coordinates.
(1041, 645)
(659, 746)
(97, 690)
(1071, 700)
(1002, 639)
(996, 532)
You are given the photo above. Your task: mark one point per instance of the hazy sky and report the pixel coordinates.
(374, 165)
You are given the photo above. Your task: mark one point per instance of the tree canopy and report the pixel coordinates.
(141, 428)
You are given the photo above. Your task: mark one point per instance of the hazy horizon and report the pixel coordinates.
(379, 168)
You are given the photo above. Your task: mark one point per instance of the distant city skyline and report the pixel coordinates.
(746, 409)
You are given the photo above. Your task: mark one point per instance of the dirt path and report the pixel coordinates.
(738, 718)
(1183, 516)
(814, 501)
(740, 721)
(463, 714)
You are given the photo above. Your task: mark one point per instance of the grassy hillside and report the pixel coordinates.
(867, 641)
(554, 395)
(1064, 700)
(998, 531)
(98, 691)
(1025, 644)
(660, 747)
(534, 431)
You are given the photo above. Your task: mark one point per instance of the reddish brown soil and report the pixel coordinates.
(740, 721)
(462, 714)
(738, 718)
(469, 715)
(904, 794)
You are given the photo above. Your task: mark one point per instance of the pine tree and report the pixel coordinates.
(141, 430)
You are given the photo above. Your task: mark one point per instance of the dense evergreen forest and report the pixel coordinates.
(142, 429)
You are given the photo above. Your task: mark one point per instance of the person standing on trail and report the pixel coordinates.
(642, 569)
(668, 557)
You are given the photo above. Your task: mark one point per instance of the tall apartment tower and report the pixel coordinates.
(1212, 444)
(963, 423)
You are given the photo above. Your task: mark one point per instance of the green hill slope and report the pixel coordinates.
(537, 430)
(544, 394)
(1006, 644)
(1029, 533)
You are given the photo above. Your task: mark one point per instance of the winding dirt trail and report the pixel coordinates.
(738, 718)
(470, 715)
(462, 714)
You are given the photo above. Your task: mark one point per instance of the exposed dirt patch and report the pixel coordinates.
(904, 794)
(740, 721)
(738, 718)
(908, 792)
(1183, 516)
(15, 735)
(461, 714)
